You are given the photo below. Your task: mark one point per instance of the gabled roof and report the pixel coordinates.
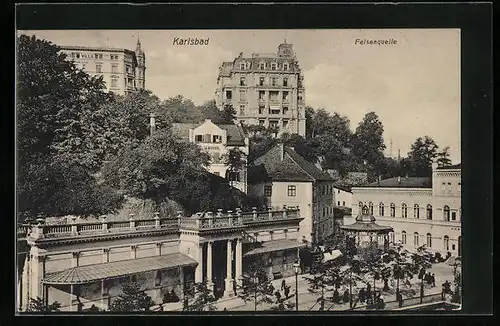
(451, 167)
(346, 189)
(402, 182)
(293, 167)
(235, 134)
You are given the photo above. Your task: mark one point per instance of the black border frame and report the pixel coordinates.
(475, 22)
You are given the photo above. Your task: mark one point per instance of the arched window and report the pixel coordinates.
(443, 186)
(404, 210)
(429, 212)
(416, 211)
(459, 187)
(381, 209)
(415, 239)
(446, 242)
(393, 210)
(403, 237)
(449, 186)
(429, 240)
(392, 237)
(370, 206)
(446, 213)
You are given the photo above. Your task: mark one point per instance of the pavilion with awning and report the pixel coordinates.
(86, 274)
(366, 231)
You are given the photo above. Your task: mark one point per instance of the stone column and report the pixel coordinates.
(102, 294)
(74, 260)
(158, 248)
(105, 255)
(210, 283)
(239, 262)
(228, 292)
(133, 251)
(198, 276)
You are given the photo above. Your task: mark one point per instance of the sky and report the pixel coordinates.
(413, 85)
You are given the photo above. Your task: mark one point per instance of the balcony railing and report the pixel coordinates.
(201, 221)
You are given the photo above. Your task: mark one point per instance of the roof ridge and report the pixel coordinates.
(300, 166)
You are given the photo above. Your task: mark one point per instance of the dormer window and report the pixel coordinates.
(273, 66)
(242, 66)
(285, 66)
(242, 81)
(262, 66)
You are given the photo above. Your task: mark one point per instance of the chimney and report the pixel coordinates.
(282, 151)
(152, 123)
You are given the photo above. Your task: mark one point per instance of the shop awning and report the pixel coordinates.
(105, 271)
(275, 245)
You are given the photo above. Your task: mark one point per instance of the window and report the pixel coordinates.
(273, 66)
(285, 67)
(338, 191)
(261, 122)
(292, 191)
(261, 81)
(242, 66)
(242, 110)
(199, 138)
(261, 109)
(404, 211)
(453, 216)
(392, 237)
(393, 210)
(360, 206)
(343, 203)
(381, 209)
(370, 206)
(403, 237)
(233, 176)
(216, 139)
(98, 56)
(285, 81)
(285, 96)
(158, 278)
(459, 187)
(449, 186)
(416, 211)
(285, 109)
(262, 95)
(114, 69)
(338, 203)
(274, 81)
(242, 81)
(429, 240)
(78, 55)
(262, 66)
(443, 186)
(114, 56)
(452, 247)
(446, 242)
(114, 82)
(429, 212)
(98, 68)
(243, 95)
(446, 213)
(285, 123)
(129, 69)
(229, 95)
(415, 239)
(273, 96)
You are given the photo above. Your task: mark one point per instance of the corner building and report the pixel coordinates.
(421, 210)
(265, 89)
(122, 70)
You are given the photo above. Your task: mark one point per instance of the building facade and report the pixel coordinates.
(265, 89)
(85, 264)
(342, 196)
(422, 211)
(218, 140)
(122, 70)
(284, 178)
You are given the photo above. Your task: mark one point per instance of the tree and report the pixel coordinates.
(323, 276)
(132, 299)
(257, 287)
(308, 149)
(38, 305)
(236, 162)
(226, 116)
(209, 110)
(203, 299)
(443, 157)
(422, 153)
(180, 109)
(421, 263)
(65, 130)
(261, 139)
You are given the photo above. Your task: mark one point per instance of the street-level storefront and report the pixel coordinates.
(276, 258)
(97, 286)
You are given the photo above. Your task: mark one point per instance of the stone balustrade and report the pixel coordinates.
(200, 221)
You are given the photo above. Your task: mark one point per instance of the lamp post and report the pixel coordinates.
(296, 266)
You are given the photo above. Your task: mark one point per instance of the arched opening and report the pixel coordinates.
(393, 210)
(429, 212)
(415, 239)
(370, 206)
(404, 210)
(429, 240)
(416, 211)
(446, 242)
(446, 213)
(403, 237)
(381, 209)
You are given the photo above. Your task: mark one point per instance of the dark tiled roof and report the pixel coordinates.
(293, 167)
(410, 182)
(451, 167)
(346, 189)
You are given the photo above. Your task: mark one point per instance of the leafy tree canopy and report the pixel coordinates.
(422, 153)
(133, 298)
(38, 305)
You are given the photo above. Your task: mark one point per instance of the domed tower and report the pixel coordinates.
(141, 66)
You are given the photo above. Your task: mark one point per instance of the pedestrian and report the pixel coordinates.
(336, 296)
(271, 287)
(399, 298)
(408, 284)
(381, 303)
(160, 308)
(386, 285)
(283, 284)
(225, 309)
(277, 294)
(346, 296)
(361, 295)
(287, 291)
(433, 280)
